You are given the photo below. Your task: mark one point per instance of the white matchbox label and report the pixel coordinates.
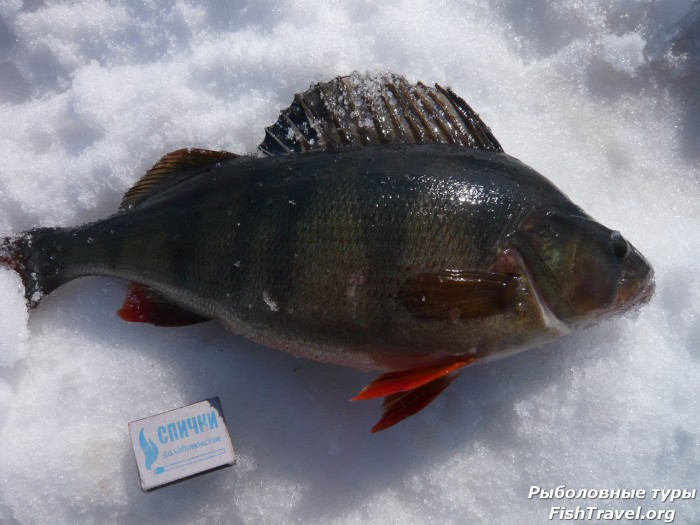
(181, 443)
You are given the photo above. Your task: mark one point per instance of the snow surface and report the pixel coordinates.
(601, 96)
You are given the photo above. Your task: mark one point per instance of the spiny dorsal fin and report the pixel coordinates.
(359, 110)
(174, 167)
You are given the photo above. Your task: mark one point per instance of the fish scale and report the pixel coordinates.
(187, 258)
(383, 228)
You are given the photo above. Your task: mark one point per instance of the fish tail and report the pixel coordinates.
(32, 256)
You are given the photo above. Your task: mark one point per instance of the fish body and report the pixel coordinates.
(391, 243)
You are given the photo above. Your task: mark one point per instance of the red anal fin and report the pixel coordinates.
(398, 407)
(410, 379)
(143, 305)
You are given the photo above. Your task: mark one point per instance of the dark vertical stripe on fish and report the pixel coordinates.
(186, 245)
(115, 250)
(384, 230)
(247, 224)
(292, 204)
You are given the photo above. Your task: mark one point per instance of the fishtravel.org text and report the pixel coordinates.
(597, 513)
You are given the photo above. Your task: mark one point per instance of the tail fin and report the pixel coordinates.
(32, 260)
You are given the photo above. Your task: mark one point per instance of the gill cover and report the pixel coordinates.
(582, 269)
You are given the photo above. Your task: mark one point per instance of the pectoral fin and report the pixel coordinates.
(143, 305)
(456, 294)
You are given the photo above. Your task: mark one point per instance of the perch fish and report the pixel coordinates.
(382, 227)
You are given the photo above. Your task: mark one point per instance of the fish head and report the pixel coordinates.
(582, 271)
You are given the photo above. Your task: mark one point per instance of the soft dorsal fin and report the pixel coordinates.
(359, 110)
(174, 167)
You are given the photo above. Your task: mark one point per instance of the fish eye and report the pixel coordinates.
(620, 247)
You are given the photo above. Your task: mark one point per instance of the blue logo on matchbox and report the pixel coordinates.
(178, 430)
(150, 449)
(181, 443)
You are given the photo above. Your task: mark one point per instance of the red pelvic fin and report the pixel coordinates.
(143, 305)
(398, 407)
(410, 379)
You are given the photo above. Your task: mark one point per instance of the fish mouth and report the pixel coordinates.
(635, 291)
